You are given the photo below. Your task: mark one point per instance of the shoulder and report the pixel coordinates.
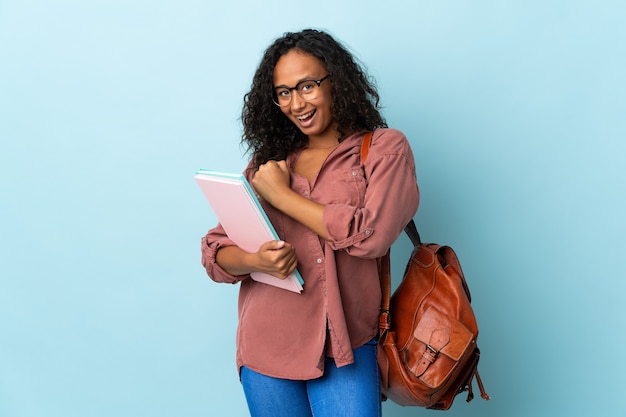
(389, 141)
(250, 170)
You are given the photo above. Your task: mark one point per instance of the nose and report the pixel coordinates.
(297, 102)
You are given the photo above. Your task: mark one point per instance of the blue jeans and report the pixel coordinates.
(350, 391)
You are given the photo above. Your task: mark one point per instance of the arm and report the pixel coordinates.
(391, 199)
(272, 182)
(226, 262)
(365, 230)
(275, 257)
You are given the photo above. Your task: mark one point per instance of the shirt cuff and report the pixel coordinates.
(339, 219)
(214, 270)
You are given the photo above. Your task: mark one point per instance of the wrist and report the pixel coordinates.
(285, 200)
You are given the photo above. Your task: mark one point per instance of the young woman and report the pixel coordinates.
(314, 353)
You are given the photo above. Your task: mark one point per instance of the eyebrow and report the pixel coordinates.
(303, 79)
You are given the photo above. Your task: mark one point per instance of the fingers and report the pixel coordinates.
(278, 244)
(273, 168)
(283, 166)
(278, 258)
(286, 266)
(274, 245)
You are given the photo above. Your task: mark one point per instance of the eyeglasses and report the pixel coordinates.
(307, 89)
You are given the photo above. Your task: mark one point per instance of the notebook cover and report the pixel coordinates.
(243, 219)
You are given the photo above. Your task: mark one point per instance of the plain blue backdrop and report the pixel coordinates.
(516, 113)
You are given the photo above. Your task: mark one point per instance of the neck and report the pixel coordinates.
(313, 145)
(327, 141)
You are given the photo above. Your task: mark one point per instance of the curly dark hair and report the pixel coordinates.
(269, 134)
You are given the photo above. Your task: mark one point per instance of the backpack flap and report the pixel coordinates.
(445, 341)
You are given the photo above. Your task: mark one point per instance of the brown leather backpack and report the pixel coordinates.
(427, 351)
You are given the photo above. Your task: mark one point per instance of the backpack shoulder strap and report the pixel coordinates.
(384, 264)
(365, 145)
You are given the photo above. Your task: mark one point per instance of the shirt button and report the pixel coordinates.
(354, 173)
(306, 193)
(368, 232)
(319, 260)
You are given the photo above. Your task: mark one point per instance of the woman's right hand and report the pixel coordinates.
(275, 257)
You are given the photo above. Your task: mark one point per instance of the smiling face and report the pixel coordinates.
(313, 117)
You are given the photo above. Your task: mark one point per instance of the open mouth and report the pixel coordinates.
(306, 117)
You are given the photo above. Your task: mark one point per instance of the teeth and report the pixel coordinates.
(306, 116)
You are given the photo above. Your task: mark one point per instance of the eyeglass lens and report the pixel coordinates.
(307, 90)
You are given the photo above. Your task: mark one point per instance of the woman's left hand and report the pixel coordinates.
(272, 180)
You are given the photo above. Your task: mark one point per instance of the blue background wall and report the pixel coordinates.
(516, 114)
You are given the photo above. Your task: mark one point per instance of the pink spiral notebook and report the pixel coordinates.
(243, 219)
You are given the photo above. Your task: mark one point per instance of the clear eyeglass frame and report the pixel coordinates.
(306, 89)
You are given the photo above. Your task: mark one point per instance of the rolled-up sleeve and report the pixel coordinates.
(391, 200)
(215, 239)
